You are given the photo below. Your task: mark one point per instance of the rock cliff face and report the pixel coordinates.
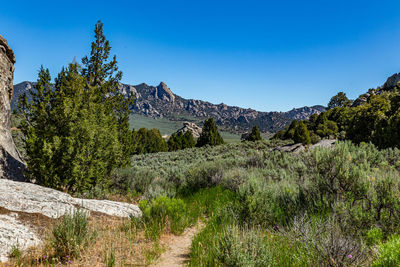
(391, 82)
(10, 162)
(160, 102)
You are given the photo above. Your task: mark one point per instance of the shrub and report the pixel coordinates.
(15, 252)
(162, 212)
(374, 236)
(389, 253)
(324, 235)
(236, 247)
(315, 138)
(71, 235)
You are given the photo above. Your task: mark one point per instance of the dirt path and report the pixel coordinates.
(177, 248)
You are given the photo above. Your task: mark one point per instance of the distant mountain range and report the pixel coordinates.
(160, 102)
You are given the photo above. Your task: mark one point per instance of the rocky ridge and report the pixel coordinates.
(391, 82)
(160, 102)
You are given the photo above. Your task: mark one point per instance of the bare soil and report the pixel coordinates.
(177, 251)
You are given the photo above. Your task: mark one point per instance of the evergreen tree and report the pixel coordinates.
(290, 130)
(301, 134)
(188, 140)
(103, 79)
(254, 134)
(210, 135)
(339, 100)
(173, 143)
(76, 132)
(150, 141)
(179, 141)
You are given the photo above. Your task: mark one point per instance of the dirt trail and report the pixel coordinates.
(177, 248)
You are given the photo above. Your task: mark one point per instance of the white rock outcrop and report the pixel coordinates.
(27, 198)
(15, 233)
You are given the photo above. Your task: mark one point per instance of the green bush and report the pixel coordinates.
(71, 234)
(374, 236)
(236, 247)
(162, 212)
(389, 253)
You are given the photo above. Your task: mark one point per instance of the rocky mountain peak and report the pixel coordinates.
(162, 92)
(160, 102)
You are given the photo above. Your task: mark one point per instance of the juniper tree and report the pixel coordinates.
(103, 77)
(181, 140)
(76, 131)
(301, 134)
(339, 100)
(210, 135)
(254, 135)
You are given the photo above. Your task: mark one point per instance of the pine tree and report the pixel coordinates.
(254, 134)
(210, 135)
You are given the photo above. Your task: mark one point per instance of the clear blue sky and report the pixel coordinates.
(267, 55)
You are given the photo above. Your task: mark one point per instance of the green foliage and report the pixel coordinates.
(311, 131)
(159, 212)
(314, 138)
(374, 236)
(75, 130)
(242, 248)
(254, 135)
(339, 100)
(71, 235)
(289, 134)
(312, 208)
(377, 120)
(389, 253)
(150, 141)
(110, 258)
(15, 252)
(181, 141)
(301, 134)
(210, 135)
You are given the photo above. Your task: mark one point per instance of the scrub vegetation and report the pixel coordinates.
(336, 206)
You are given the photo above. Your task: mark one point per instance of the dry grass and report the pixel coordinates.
(115, 236)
